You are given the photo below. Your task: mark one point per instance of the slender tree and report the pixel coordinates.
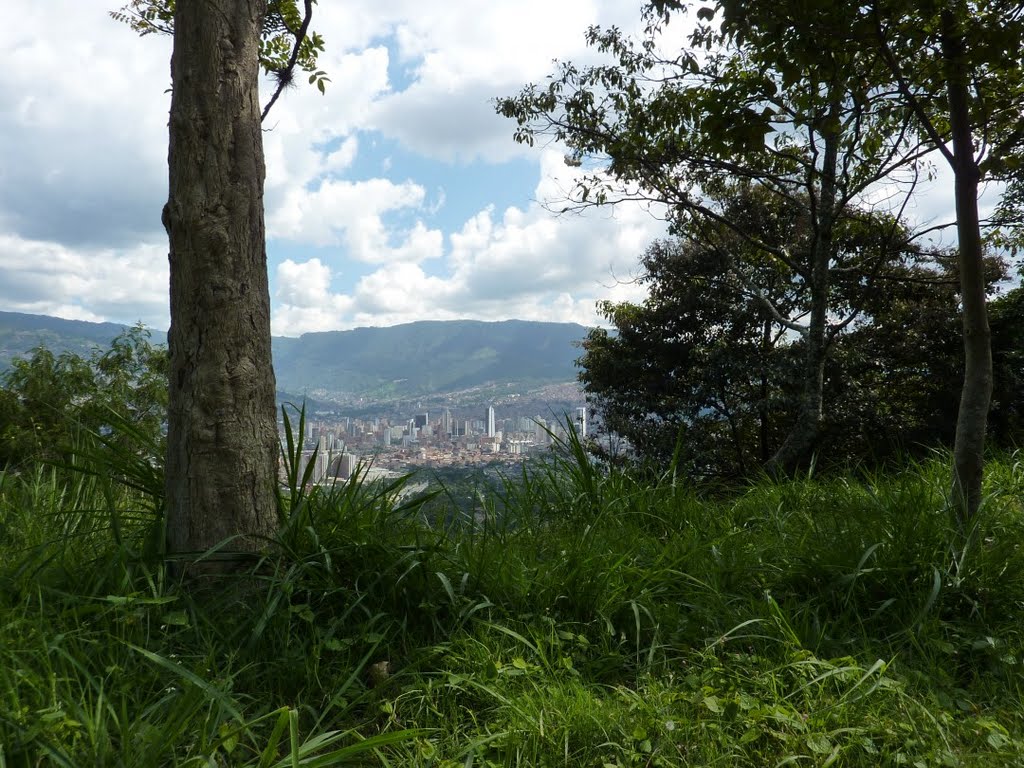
(976, 48)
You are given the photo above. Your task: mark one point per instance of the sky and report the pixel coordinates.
(399, 195)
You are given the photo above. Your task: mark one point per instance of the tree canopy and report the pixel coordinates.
(698, 373)
(48, 401)
(679, 127)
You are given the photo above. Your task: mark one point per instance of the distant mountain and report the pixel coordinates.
(428, 357)
(403, 360)
(21, 333)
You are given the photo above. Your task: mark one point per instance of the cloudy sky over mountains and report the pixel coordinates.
(398, 196)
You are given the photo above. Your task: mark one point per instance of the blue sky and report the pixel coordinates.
(398, 196)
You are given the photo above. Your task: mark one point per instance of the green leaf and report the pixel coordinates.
(819, 743)
(712, 703)
(176, 619)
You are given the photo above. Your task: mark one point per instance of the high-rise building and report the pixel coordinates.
(446, 422)
(490, 421)
(581, 421)
(420, 420)
(348, 464)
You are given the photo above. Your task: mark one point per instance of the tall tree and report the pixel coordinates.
(675, 126)
(973, 63)
(222, 426)
(222, 440)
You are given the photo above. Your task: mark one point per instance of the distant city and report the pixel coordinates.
(449, 439)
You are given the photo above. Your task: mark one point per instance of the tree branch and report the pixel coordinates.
(915, 105)
(284, 77)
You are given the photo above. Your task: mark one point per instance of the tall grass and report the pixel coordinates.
(578, 616)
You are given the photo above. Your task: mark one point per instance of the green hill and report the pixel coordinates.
(413, 359)
(21, 333)
(426, 357)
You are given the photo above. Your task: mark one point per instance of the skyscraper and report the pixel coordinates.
(581, 421)
(348, 464)
(490, 421)
(446, 422)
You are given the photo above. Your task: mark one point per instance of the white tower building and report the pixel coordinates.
(581, 421)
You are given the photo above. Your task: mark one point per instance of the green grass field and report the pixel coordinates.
(578, 618)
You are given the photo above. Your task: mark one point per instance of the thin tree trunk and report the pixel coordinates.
(976, 395)
(802, 437)
(222, 434)
(762, 407)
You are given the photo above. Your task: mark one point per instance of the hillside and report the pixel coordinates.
(21, 333)
(413, 359)
(426, 357)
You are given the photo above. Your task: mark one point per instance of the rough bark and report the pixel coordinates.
(976, 395)
(805, 431)
(222, 435)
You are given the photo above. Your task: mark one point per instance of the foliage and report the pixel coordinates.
(702, 374)
(285, 35)
(895, 385)
(1006, 316)
(683, 127)
(48, 401)
(697, 366)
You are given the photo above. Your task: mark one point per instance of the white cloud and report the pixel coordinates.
(303, 285)
(305, 302)
(525, 264)
(304, 121)
(122, 285)
(83, 118)
(352, 214)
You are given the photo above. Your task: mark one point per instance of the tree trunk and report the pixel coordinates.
(762, 406)
(976, 395)
(802, 437)
(222, 433)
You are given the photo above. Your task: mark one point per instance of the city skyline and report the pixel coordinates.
(386, 446)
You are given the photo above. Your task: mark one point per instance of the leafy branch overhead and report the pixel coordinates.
(286, 40)
(678, 126)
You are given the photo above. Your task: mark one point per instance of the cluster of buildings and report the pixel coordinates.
(380, 446)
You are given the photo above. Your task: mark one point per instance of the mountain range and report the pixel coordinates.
(419, 358)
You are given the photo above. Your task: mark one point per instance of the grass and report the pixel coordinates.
(576, 618)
